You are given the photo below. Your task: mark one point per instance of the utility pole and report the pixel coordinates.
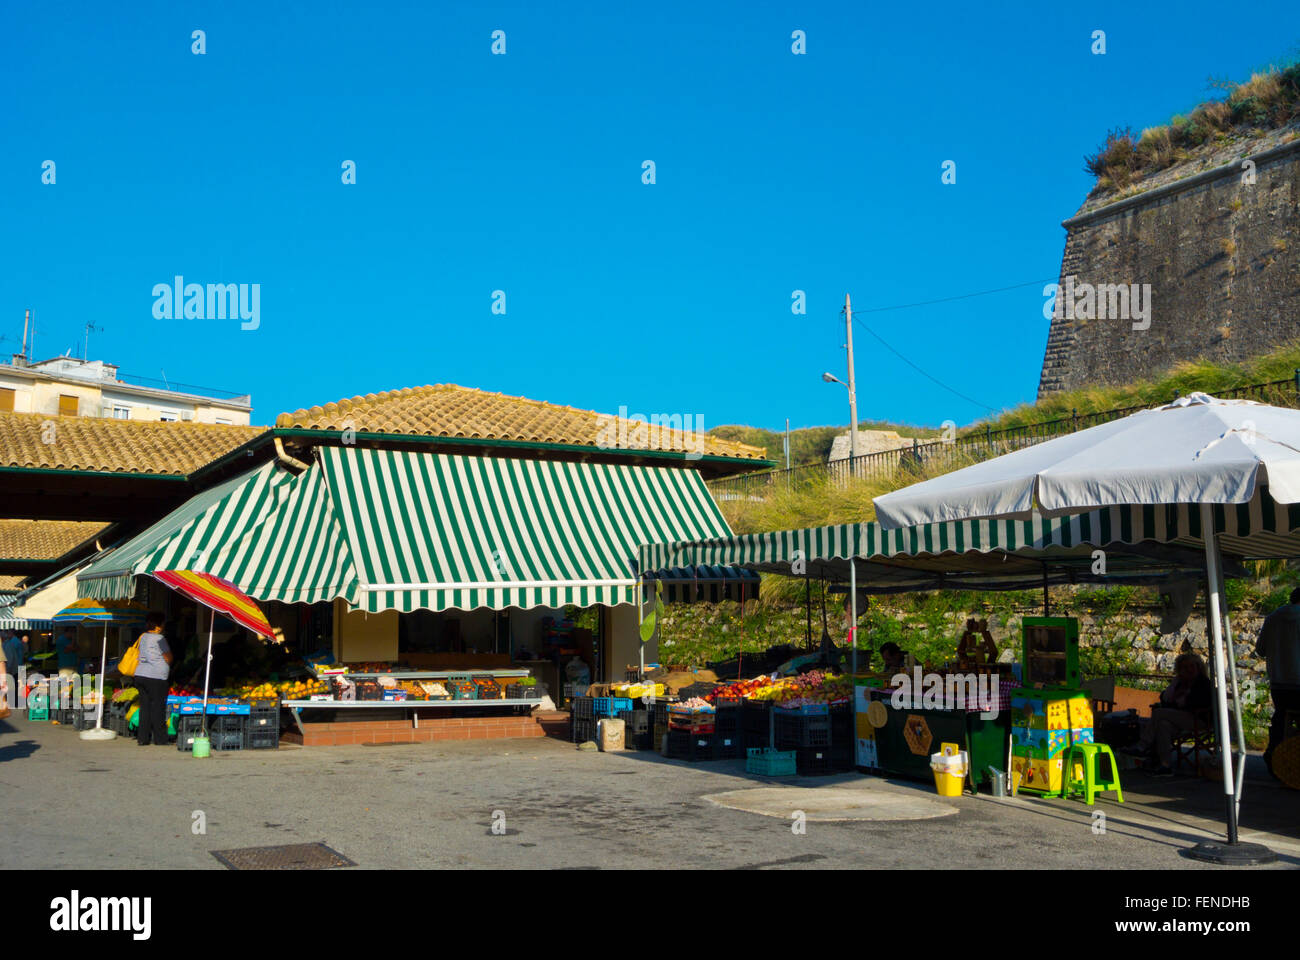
(853, 393)
(787, 438)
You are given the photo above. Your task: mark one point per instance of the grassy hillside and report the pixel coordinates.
(809, 444)
(812, 444)
(1279, 364)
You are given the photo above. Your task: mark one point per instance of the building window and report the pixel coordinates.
(169, 416)
(121, 412)
(7, 399)
(67, 405)
(223, 420)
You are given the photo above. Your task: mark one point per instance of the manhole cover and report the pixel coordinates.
(292, 856)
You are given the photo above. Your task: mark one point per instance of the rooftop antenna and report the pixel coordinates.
(164, 375)
(89, 327)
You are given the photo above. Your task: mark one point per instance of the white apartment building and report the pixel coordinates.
(69, 386)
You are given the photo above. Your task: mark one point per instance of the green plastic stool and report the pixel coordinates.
(1092, 783)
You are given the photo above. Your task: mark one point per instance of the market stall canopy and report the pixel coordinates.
(1198, 449)
(183, 538)
(703, 584)
(11, 621)
(401, 530)
(218, 595)
(1141, 544)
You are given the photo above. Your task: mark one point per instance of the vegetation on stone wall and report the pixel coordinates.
(1266, 101)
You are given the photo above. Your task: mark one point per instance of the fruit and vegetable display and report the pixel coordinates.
(813, 687)
(284, 690)
(698, 704)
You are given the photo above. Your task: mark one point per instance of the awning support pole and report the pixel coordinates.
(1233, 852)
(853, 614)
(640, 618)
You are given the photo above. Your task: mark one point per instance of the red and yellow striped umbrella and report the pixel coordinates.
(219, 595)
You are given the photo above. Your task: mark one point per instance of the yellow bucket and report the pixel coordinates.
(948, 784)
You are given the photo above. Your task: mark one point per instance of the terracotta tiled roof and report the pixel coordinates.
(446, 410)
(44, 539)
(118, 446)
(10, 584)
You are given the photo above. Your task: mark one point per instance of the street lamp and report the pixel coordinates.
(853, 421)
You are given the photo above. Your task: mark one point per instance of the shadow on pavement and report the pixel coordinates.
(18, 750)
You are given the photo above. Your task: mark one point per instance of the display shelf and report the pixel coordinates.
(439, 674)
(406, 704)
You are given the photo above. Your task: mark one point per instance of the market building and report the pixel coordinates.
(440, 530)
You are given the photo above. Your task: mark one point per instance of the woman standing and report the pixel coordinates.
(151, 680)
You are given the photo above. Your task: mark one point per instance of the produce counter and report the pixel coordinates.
(295, 707)
(907, 738)
(439, 674)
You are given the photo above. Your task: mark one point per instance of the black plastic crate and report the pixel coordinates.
(263, 715)
(228, 732)
(584, 729)
(755, 723)
(84, 717)
(688, 745)
(728, 746)
(813, 761)
(843, 755)
(792, 731)
(262, 738)
(188, 726)
(583, 708)
(636, 722)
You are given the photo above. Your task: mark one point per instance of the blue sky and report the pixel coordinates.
(523, 173)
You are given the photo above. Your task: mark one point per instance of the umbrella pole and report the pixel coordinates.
(207, 670)
(103, 663)
(1240, 769)
(1233, 852)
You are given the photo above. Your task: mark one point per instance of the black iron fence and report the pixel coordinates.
(928, 457)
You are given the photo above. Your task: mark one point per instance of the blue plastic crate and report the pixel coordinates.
(608, 706)
(770, 763)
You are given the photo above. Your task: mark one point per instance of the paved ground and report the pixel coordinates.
(69, 803)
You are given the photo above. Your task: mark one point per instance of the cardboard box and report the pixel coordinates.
(610, 735)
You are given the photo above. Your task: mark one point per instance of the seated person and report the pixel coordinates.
(893, 659)
(1189, 694)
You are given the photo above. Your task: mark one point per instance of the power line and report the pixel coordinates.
(964, 296)
(934, 379)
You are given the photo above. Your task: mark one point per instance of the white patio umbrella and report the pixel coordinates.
(1197, 450)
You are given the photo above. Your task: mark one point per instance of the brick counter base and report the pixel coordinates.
(430, 728)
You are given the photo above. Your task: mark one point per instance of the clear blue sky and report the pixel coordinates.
(522, 173)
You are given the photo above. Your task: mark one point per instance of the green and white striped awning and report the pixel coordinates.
(186, 537)
(399, 530)
(438, 532)
(11, 621)
(1131, 541)
(296, 554)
